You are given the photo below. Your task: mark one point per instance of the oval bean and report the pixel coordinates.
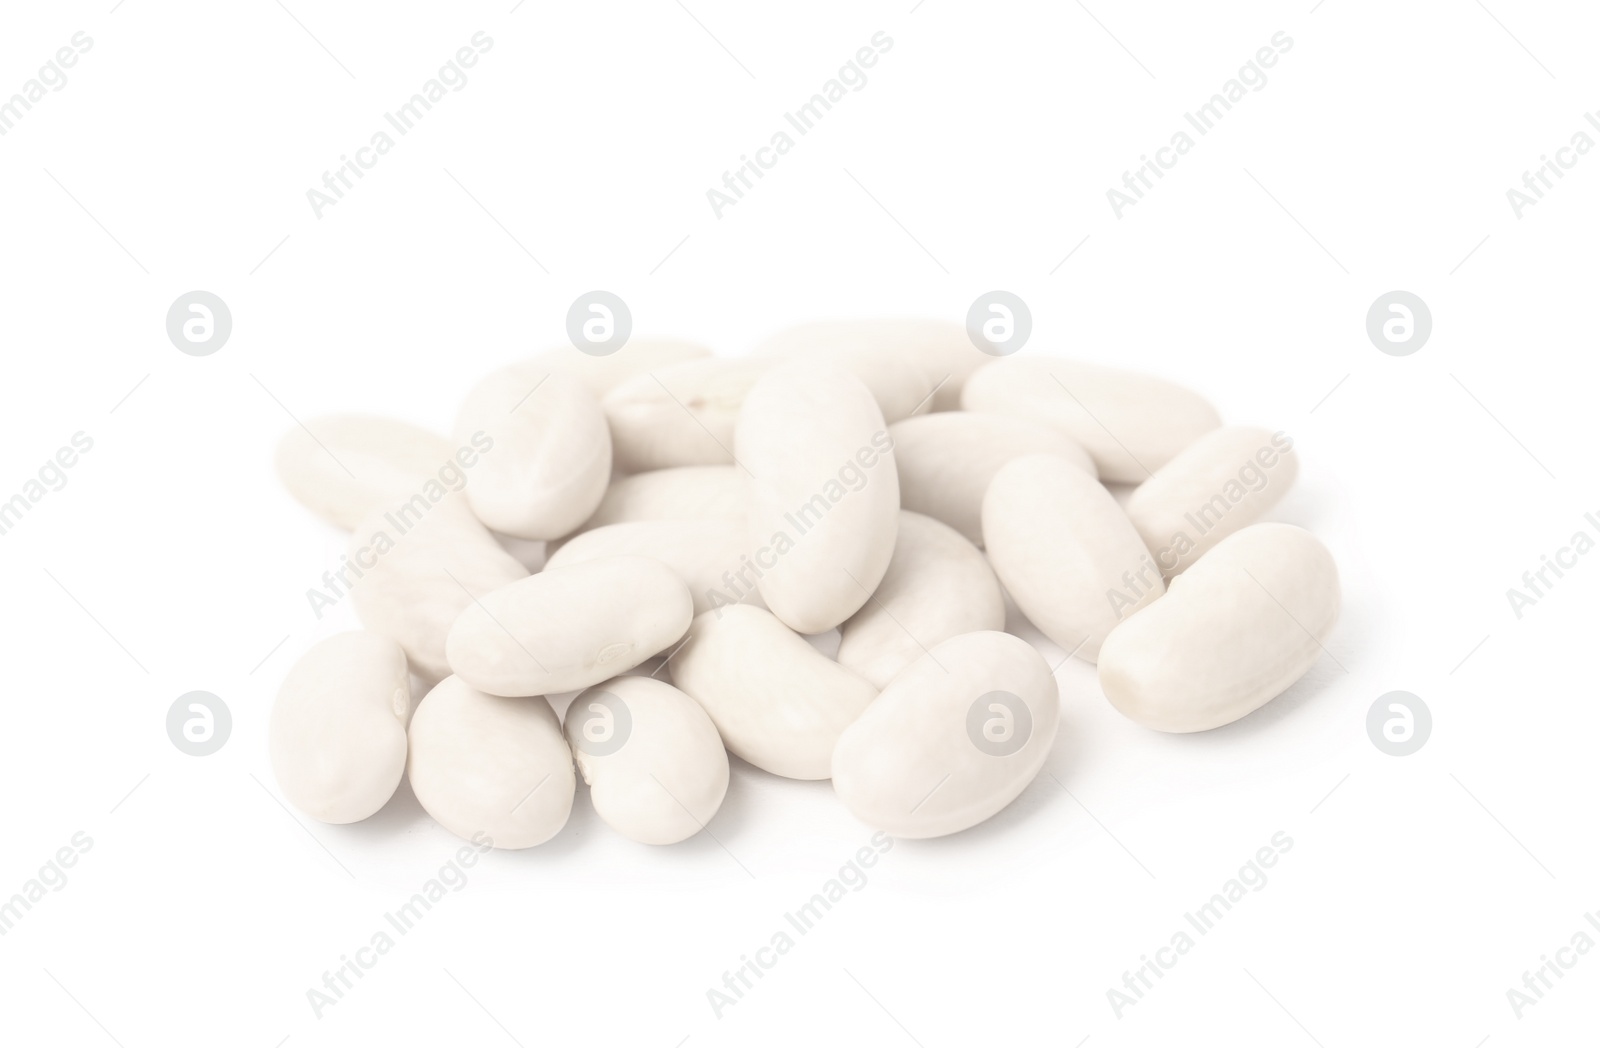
(569, 627)
(1236, 629)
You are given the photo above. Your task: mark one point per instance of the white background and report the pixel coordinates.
(1377, 156)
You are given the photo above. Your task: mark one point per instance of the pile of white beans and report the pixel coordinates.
(813, 544)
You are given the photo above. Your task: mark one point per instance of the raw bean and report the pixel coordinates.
(680, 415)
(682, 493)
(603, 374)
(775, 700)
(1236, 629)
(491, 766)
(824, 498)
(947, 460)
(551, 458)
(685, 414)
(654, 763)
(420, 567)
(337, 736)
(1066, 552)
(1225, 481)
(346, 466)
(569, 627)
(894, 358)
(952, 739)
(1131, 424)
(940, 349)
(705, 554)
(938, 586)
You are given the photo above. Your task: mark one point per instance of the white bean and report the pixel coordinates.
(1225, 481)
(337, 735)
(421, 566)
(938, 586)
(680, 415)
(653, 760)
(775, 700)
(940, 349)
(1066, 552)
(947, 460)
(1235, 630)
(952, 740)
(551, 458)
(569, 627)
(705, 554)
(1132, 424)
(343, 467)
(494, 767)
(824, 498)
(681, 493)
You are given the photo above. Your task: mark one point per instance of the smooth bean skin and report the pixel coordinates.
(938, 586)
(1066, 552)
(914, 764)
(1227, 480)
(1131, 424)
(1233, 632)
(705, 554)
(337, 734)
(680, 415)
(551, 458)
(680, 493)
(420, 569)
(569, 627)
(483, 764)
(776, 701)
(343, 467)
(824, 493)
(656, 768)
(940, 349)
(602, 374)
(947, 460)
